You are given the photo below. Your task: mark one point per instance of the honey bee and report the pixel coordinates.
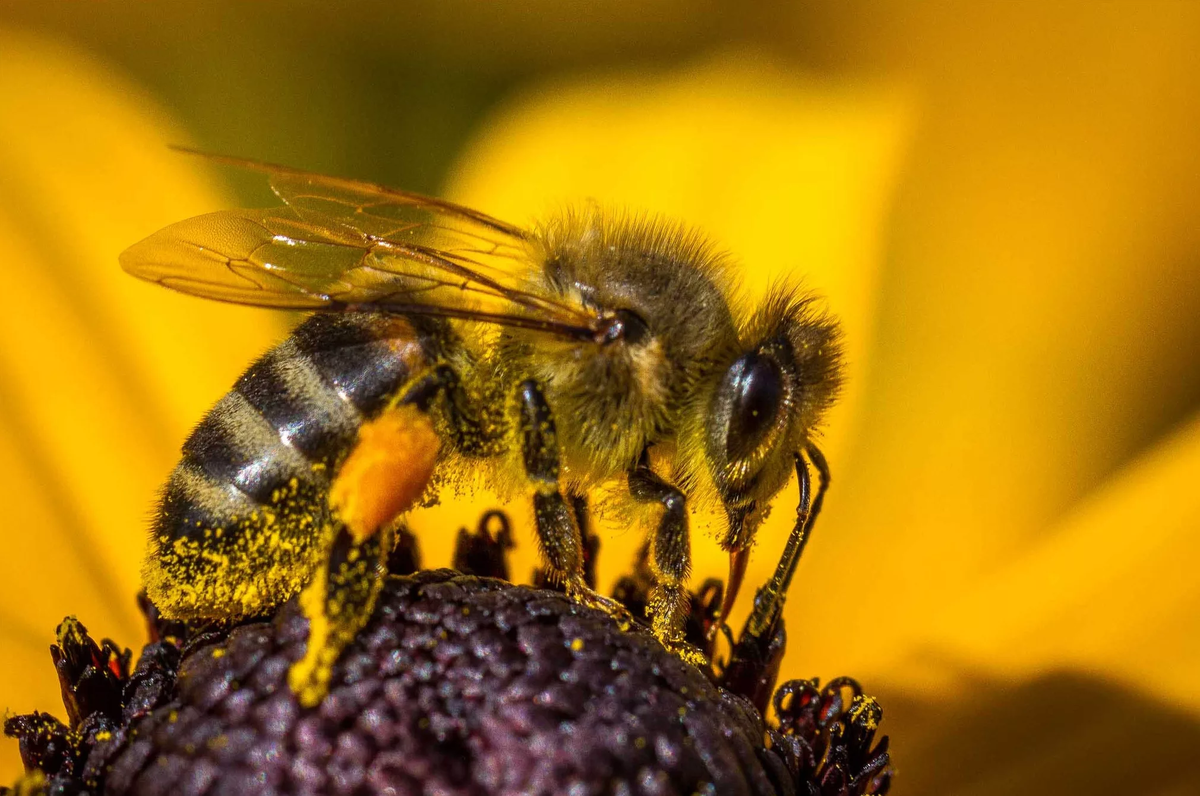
(593, 351)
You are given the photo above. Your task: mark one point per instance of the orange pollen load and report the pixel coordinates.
(387, 472)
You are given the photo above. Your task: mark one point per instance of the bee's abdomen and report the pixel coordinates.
(290, 419)
(366, 357)
(304, 413)
(236, 445)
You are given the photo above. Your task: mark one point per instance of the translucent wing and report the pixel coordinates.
(341, 244)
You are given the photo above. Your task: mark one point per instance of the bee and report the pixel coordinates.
(594, 351)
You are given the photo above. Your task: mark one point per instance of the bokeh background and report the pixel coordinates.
(1000, 199)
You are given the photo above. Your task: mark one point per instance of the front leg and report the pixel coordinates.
(558, 535)
(670, 560)
(755, 659)
(769, 599)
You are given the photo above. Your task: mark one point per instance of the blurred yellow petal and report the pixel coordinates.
(1111, 591)
(1039, 320)
(100, 376)
(794, 178)
(1076, 667)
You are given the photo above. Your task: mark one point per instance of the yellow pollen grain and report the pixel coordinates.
(387, 472)
(576, 644)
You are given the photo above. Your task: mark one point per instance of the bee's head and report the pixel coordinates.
(766, 405)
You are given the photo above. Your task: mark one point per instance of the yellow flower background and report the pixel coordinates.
(999, 200)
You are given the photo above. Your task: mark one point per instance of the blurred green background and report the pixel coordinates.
(389, 91)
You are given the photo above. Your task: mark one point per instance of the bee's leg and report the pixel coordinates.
(338, 601)
(591, 542)
(768, 601)
(384, 475)
(443, 383)
(558, 535)
(670, 560)
(754, 662)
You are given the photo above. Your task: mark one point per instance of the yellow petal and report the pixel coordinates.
(1110, 591)
(1039, 320)
(100, 376)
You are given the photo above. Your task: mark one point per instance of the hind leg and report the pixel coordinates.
(383, 477)
(338, 602)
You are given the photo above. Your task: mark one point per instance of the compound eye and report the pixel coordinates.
(756, 383)
(634, 329)
(625, 326)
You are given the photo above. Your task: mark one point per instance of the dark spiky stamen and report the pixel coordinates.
(485, 552)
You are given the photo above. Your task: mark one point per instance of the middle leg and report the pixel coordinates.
(558, 535)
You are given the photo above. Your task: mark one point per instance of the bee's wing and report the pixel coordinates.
(343, 244)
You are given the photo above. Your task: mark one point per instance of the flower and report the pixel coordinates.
(460, 684)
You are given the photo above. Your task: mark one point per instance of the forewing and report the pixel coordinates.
(340, 243)
(242, 256)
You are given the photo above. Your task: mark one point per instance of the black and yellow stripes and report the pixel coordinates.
(291, 394)
(245, 515)
(364, 357)
(235, 445)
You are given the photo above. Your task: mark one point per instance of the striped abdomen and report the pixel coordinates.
(240, 515)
